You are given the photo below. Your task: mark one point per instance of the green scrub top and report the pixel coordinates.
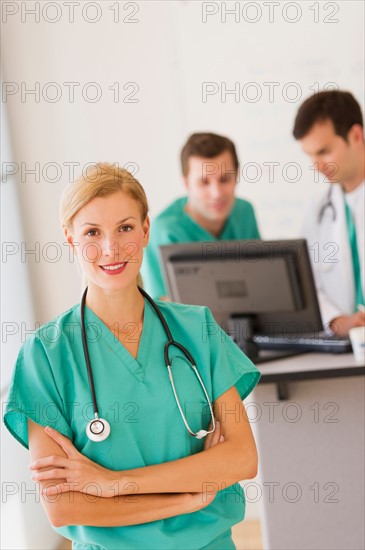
(174, 225)
(50, 386)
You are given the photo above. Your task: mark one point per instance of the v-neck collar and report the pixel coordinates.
(101, 332)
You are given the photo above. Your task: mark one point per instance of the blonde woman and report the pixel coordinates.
(129, 452)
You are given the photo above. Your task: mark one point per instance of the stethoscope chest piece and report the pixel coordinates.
(98, 429)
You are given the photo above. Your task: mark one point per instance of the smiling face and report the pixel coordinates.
(210, 185)
(108, 236)
(332, 155)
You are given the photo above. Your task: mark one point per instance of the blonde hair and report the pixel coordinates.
(100, 180)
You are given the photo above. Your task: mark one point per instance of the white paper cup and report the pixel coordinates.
(357, 337)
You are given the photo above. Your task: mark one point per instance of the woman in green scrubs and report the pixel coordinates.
(150, 484)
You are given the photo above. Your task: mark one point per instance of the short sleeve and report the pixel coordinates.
(229, 365)
(33, 394)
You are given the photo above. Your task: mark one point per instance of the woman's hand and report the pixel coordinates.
(197, 501)
(77, 472)
(215, 437)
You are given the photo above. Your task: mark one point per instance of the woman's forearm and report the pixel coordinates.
(215, 468)
(75, 508)
(218, 467)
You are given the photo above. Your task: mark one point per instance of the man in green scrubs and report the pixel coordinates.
(209, 212)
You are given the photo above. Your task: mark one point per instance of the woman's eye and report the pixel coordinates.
(91, 233)
(126, 228)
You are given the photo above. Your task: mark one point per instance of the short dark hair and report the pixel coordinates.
(206, 145)
(338, 106)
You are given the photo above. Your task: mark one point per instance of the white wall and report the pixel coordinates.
(144, 133)
(165, 56)
(169, 53)
(290, 59)
(19, 500)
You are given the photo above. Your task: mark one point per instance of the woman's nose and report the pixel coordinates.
(108, 247)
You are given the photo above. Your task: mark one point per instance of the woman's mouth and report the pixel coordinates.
(114, 269)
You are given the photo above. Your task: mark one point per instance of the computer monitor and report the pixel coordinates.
(269, 283)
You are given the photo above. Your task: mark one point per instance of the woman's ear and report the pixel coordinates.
(69, 239)
(146, 231)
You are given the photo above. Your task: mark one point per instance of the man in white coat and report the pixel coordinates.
(329, 126)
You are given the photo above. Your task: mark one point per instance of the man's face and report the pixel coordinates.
(331, 154)
(210, 185)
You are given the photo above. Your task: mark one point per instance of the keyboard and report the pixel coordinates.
(320, 342)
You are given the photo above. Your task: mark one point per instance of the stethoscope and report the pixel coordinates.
(328, 204)
(98, 429)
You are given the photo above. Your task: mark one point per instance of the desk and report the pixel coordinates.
(310, 485)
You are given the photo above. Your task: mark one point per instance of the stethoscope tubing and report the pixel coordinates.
(327, 204)
(170, 342)
(86, 354)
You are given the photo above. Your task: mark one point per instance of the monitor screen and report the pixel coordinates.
(271, 281)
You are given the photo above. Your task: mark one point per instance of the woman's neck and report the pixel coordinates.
(116, 306)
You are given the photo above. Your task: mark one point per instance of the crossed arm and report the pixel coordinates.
(160, 491)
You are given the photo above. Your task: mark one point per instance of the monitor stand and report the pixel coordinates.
(241, 329)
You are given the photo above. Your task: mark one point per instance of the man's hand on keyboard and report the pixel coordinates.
(342, 324)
